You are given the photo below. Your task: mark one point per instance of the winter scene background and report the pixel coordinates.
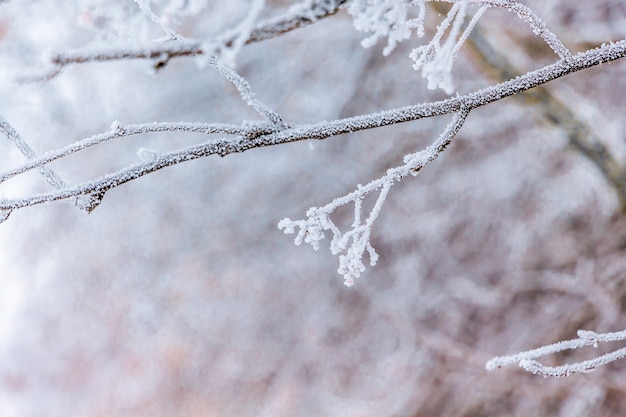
(180, 296)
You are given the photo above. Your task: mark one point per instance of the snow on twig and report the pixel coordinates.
(526, 360)
(353, 244)
(245, 90)
(144, 5)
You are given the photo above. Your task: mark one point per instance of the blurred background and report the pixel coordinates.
(179, 296)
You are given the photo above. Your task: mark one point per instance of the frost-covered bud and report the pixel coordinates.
(117, 127)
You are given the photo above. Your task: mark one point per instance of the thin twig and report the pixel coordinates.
(246, 92)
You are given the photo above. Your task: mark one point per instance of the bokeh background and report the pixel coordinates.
(179, 296)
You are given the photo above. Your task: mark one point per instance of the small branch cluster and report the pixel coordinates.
(526, 360)
(436, 59)
(390, 19)
(353, 244)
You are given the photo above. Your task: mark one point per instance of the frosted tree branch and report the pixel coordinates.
(299, 15)
(434, 59)
(526, 360)
(353, 243)
(254, 135)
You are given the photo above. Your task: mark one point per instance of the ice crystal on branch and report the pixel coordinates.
(390, 19)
